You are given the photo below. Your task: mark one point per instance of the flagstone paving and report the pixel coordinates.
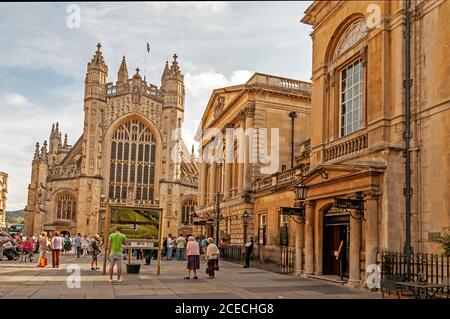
(232, 281)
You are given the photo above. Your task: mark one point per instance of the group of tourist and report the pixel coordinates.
(58, 244)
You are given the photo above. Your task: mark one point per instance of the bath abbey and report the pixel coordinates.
(130, 154)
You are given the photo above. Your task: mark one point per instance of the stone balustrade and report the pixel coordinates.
(345, 148)
(279, 179)
(147, 90)
(280, 82)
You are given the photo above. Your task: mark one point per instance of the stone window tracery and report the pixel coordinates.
(187, 208)
(351, 36)
(132, 163)
(66, 207)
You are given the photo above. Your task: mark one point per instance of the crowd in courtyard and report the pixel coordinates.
(188, 248)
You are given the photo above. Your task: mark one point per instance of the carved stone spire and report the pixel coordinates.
(36, 153)
(98, 57)
(44, 155)
(175, 67)
(65, 140)
(122, 75)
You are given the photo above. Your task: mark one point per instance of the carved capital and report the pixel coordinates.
(250, 110)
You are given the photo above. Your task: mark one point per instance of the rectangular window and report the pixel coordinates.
(351, 92)
(284, 220)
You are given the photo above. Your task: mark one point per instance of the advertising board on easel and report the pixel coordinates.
(141, 225)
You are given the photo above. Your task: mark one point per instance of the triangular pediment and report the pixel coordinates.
(324, 172)
(219, 101)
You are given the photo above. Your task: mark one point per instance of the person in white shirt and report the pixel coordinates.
(57, 245)
(170, 245)
(84, 245)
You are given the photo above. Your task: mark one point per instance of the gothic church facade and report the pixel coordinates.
(130, 154)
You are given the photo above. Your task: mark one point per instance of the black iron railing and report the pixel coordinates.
(233, 253)
(284, 256)
(424, 267)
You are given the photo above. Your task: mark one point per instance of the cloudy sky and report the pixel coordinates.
(43, 60)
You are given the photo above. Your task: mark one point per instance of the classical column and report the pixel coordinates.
(248, 149)
(228, 162)
(212, 183)
(371, 230)
(299, 243)
(309, 238)
(202, 183)
(355, 248)
(240, 164)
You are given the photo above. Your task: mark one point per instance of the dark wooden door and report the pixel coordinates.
(331, 246)
(336, 230)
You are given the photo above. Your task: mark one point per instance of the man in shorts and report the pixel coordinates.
(116, 240)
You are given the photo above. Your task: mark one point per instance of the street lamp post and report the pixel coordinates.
(245, 219)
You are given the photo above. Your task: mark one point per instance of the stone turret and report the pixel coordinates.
(97, 72)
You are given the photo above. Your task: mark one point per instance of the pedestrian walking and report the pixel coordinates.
(67, 244)
(212, 254)
(170, 245)
(95, 244)
(203, 245)
(116, 242)
(181, 245)
(78, 245)
(193, 257)
(57, 246)
(73, 251)
(84, 245)
(43, 243)
(248, 252)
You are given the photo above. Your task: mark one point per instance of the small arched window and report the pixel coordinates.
(351, 36)
(66, 207)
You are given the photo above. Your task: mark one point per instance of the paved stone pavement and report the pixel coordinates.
(232, 281)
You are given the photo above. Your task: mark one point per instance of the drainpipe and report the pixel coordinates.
(407, 81)
(293, 116)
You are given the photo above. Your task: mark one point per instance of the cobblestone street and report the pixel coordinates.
(25, 280)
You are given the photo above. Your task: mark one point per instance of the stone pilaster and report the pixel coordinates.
(371, 230)
(309, 238)
(299, 243)
(355, 249)
(248, 148)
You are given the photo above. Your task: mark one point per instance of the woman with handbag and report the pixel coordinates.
(212, 255)
(43, 243)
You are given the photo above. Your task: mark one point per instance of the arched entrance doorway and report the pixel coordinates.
(336, 241)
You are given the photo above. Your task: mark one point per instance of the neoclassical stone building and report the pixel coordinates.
(3, 192)
(264, 102)
(130, 154)
(358, 141)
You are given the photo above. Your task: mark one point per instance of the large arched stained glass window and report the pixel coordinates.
(132, 163)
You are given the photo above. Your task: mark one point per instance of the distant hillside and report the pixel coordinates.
(15, 217)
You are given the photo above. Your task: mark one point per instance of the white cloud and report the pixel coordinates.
(217, 42)
(15, 99)
(199, 87)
